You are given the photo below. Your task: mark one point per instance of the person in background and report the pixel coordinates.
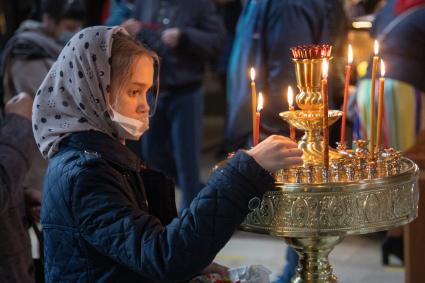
(186, 35)
(105, 216)
(400, 29)
(120, 14)
(31, 52)
(17, 149)
(265, 33)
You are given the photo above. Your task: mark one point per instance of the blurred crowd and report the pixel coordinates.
(196, 41)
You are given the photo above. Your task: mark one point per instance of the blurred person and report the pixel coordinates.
(265, 33)
(34, 48)
(229, 10)
(17, 148)
(120, 12)
(400, 29)
(31, 52)
(186, 35)
(401, 42)
(105, 216)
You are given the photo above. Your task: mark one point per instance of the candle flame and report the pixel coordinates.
(260, 102)
(350, 54)
(290, 97)
(325, 68)
(252, 73)
(382, 68)
(376, 48)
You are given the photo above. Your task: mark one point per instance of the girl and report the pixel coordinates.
(105, 217)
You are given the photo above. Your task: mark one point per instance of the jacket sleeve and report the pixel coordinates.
(208, 38)
(17, 148)
(180, 250)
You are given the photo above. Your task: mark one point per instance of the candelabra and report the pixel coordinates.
(313, 207)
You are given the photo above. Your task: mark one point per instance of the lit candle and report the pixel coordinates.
(325, 68)
(380, 104)
(253, 98)
(347, 84)
(291, 108)
(257, 119)
(372, 101)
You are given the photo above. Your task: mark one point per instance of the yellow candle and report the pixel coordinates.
(291, 108)
(372, 101)
(380, 104)
(253, 98)
(325, 68)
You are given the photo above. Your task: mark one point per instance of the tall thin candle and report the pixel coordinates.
(291, 108)
(257, 119)
(372, 101)
(380, 104)
(347, 84)
(325, 68)
(253, 98)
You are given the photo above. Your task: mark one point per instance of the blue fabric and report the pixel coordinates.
(266, 30)
(119, 11)
(291, 264)
(98, 225)
(177, 123)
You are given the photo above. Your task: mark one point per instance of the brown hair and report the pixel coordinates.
(124, 51)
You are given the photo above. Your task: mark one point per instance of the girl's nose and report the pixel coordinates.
(142, 106)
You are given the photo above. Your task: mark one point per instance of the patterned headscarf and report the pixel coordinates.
(74, 95)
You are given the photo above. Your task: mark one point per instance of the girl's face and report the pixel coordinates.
(131, 98)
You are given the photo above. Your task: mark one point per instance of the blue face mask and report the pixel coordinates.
(65, 36)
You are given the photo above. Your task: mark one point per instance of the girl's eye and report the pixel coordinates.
(133, 93)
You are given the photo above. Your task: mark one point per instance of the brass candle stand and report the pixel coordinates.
(313, 208)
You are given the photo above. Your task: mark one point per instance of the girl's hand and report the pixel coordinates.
(276, 152)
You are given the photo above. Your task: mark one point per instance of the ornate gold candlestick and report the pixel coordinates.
(312, 208)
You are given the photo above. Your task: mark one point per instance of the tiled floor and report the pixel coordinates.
(356, 260)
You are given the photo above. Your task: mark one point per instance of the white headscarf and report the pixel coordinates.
(74, 95)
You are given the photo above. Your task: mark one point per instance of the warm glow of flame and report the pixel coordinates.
(290, 97)
(376, 48)
(252, 73)
(260, 102)
(325, 69)
(382, 68)
(350, 54)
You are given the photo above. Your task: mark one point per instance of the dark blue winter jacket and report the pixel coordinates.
(107, 219)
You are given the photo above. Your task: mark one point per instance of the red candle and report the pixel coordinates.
(257, 119)
(347, 84)
(291, 108)
(325, 68)
(372, 101)
(253, 99)
(380, 104)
